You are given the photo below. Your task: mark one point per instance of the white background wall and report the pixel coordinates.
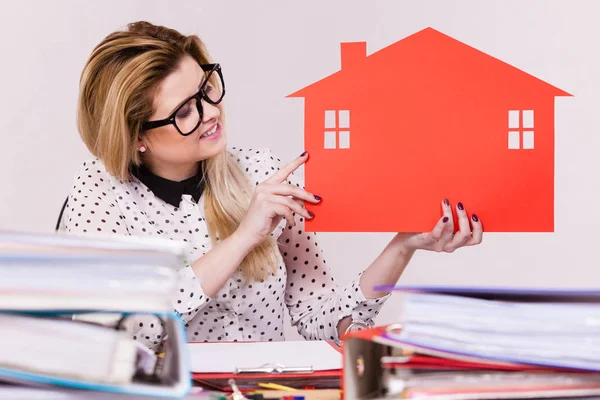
(269, 49)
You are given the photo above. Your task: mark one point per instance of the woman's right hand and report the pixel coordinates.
(273, 200)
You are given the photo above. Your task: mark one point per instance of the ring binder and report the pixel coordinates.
(274, 369)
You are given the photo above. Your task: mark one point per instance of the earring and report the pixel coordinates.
(142, 148)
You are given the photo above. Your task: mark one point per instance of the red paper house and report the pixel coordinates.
(394, 133)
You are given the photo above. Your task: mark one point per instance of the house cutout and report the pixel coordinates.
(390, 135)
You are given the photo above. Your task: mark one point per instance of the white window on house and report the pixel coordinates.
(337, 129)
(520, 129)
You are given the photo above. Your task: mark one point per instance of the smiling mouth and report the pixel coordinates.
(210, 132)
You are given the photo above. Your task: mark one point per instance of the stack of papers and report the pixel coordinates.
(460, 343)
(52, 272)
(72, 350)
(52, 283)
(546, 334)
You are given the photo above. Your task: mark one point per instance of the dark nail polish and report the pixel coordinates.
(318, 198)
(474, 217)
(303, 154)
(445, 219)
(460, 206)
(447, 202)
(311, 214)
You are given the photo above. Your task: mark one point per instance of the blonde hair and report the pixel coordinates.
(116, 93)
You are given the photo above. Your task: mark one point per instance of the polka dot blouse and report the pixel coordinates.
(303, 284)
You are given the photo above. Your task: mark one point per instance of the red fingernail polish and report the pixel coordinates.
(474, 217)
(460, 206)
(311, 214)
(317, 197)
(445, 219)
(303, 154)
(447, 202)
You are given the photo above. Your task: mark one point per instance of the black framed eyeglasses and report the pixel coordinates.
(187, 117)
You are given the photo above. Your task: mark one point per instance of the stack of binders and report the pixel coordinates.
(50, 286)
(480, 343)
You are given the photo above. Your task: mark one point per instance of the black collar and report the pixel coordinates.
(167, 190)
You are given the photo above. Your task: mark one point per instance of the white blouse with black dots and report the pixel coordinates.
(102, 204)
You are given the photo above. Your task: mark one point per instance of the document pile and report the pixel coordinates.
(483, 343)
(50, 286)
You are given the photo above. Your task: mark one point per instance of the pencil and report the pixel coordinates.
(275, 386)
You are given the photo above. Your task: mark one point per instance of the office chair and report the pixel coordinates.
(62, 210)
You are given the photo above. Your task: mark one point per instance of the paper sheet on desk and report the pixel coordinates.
(226, 357)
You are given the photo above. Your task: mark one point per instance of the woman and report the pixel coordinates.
(150, 111)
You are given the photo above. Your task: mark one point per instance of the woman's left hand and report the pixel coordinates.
(389, 266)
(442, 238)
